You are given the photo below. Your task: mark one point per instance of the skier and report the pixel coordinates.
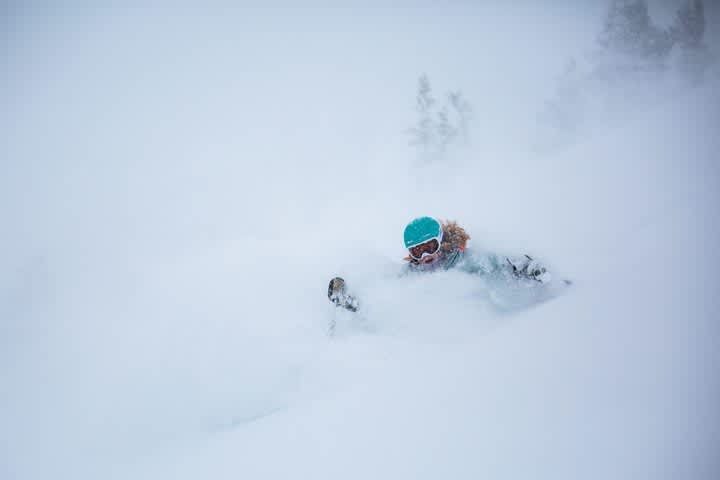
(435, 246)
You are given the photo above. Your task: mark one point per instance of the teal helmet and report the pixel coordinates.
(422, 229)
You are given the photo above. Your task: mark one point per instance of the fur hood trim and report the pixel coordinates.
(454, 237)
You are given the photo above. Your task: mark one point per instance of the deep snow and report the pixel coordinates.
(178, 187)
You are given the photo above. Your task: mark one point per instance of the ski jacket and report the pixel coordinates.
(454, 254)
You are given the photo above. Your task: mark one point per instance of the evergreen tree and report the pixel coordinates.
(628, 31)
(634, 67)
(446, 132)
(463, 112)
(689, 25)
(439, 124)
(423, 134)
(692, 57)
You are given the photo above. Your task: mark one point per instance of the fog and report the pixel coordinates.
(178, 184)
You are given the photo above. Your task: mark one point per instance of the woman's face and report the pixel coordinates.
(428, 260)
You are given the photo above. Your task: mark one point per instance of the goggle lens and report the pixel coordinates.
(429, 247)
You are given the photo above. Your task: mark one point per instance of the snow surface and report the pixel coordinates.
(179, 185)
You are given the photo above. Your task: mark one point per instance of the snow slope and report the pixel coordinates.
(179, 186)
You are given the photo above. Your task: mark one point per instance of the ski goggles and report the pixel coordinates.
(430, 247)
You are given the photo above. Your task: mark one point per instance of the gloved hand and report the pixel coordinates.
(337, 294)
(530, 269)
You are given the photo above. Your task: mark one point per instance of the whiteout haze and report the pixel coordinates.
(179, 184)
